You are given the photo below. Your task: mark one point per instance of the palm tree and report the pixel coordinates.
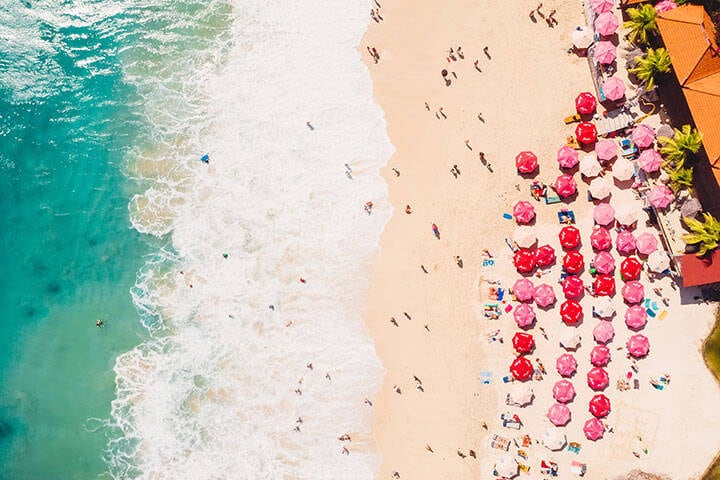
(685, 143)
(642, 23)
(680, 179)
(653, 65)
(706, 234)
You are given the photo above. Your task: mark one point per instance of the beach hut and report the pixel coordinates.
(638, 346)
(506, 467)
(660, 196)
(589, 166)
(600, 406)
(559, 414)
(585, 103)
(521, 368)
(544, 256)
(586, 133)
(573, 262)
(573, 287)
(604, 262)
(598, 379)
(658, 261)
(643, 135)
(569, 237)
(606, 149)
(553, 438)
(603, 331)
(633, 292)
(604, 307)
(571, 312)
(524, 260)
(563, 391)
(523, 290)
(593, 429)
(526, 162)
(567, 157)
(565, 186)
(544, 295)
(524, 315)
(521, 394)
(523, 212)
(623, 169)
(604, 286)
(570, 340)
(630, 269)
(600, 239)
(625, 242)
(524, 236)
(646, 243)
(600, 355)
(566, 365)
(613, 87)
(650, 160)
(635, 317)
(600, 188)
(605, 52)
(523, 342)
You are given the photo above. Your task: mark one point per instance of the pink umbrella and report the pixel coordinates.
(524, 315)
(598, 379)
(606, 24)
(638, 345)
(566, 365)
(544, 295)
(606, 149)
(594, 429)
(603, 331)
(665, 6)
(625, 242)
(605, 52)
(613, 88)
(523, 212)
(600, 355)
(559, 414)
(565, 185)
(563, 391)
(660, 196)
(523, 290)
(604, 262)
(649, 160)
(567, 157)
(601, 6)
(646, 243)
(633, 292)
(600, 239)
(636, 317)
(643, 136)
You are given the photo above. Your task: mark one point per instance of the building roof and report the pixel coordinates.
(700, 271)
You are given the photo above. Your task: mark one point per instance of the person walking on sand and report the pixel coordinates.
(408, 210)
(436, 231)
(396, 172)
(476, 66)
(393, 321)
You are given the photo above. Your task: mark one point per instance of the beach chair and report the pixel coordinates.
(550, 199)
(566, 216)
(574, 447)
(578, 468)
(548, 468)
(629, 150)
(572, 119)
(524, 468)
(501, 443)
(508, 379)
(485, 377)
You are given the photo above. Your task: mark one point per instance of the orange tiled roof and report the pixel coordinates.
(700, 271)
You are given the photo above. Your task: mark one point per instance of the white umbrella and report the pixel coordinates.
(570, 340)
(623, 169)
(604, 307)
(627, 215)
(521, 394)
(525, 236)
(599, 188)
(553, 439)
(582, 37)
(506, 467)
(589, 166)
(658, 261)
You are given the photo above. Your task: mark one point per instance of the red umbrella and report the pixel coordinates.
(573, 286)
(571, 312)
(586, 133)
(630, 269)
(526, 162)
(598, 379)
(523, 212)
(524, 260)
(565, 185)
(569, 237)
(600, 355)
(604, 285)
(523, 342)
(544, 256)
(521, 368)
(585, 103)
(593, 429)
(600, 406)
(600, 239)
(633, 292)
(573, 262)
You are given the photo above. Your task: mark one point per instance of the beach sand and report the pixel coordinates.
(523, 92)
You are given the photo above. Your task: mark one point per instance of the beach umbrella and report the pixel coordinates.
(559, 414)
(633, 292)
(605, 52)
(521, 394)
(604, 307)
(586, 133)
(613, 88)
(625, 242)
(521, 368)
(646, 243)
(603, 331)
(571, 312)
(524, 315)
(553, 438)
(573, 262)
(606, 149)
(600, 406)
(635, 317)
(600, 188)
(606, 24)
(563, 391)
(593, 429)
(623, 169)
(650, 160)
(523, 342)
(567, 157)
(638, 345)
(566, 365)
(665, 6)
(570, 339)
(573, 286)
(603, 214)
(544, 295)
(524, 236)
(526, 162)
(565, 186)
(582, 38)
(660, 196)
(544, 256)
(604, 262)
(643, 136)
(569, 236)
(506, 467)
(690, 208)
(598, 379)
(600, 355)
(601, 6)
(523, 290)
(604, 286)
(630, 269)
(589, 166)
(658, 261)
(523, 212)
(585, 103)
(600, 239)
(524, 260)
(627, 215)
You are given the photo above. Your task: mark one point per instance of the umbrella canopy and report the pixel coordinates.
(600, 238)
(650, 160)
(603, 331)
(523, 342)
(567, 157)
(566, 365)
(521, 394)
(605, 52)
(604, 307)
(630, 269)
(506, 467)
(544, 256)
(526, 162)
(658, 261)
(600, 406)
(573, 262)
(601, 6)
(643, 136)
(570, 340)
(606, 149)
(604, 262)
(638, 346)
(589, 166)
(690, 208)
(586, 133)
(633, 292)
(627, 215)
(585, 103)
(600, 355)
(625, 242)
(524, 236)
(606, 24)
(569, 236)
(559, 414)
(582, 38)
(660, 196)
(544, 295)
(593, 429)
(563, 391)
(523, 290)
(524, 315)
(523, 212)
(623, 169)
(521, 368)
(573, 286)
(604, 286)
(600, 188)
(665, 6)
(635, 317)
(524, 260)
(553, 438)
(598, 379)
(565, 186)
(571, 312)
(613, 87)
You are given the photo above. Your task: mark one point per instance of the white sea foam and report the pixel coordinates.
(211, 396)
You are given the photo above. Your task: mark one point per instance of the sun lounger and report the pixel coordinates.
(566, 216)
(550, 199)
(574, 447)
(485, 377)
(548, 468)
(572, 119)
(523, 442)
(524, 468)
(501, 443)
(578, 468)
(629, 150)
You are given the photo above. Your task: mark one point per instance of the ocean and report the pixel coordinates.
(218, 283)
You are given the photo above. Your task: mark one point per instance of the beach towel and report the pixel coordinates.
(485, 377)
(501, 443)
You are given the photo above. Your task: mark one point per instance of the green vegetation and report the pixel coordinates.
(654, 65)
(683, 146)
(680, 179)
(705, 234)
(711, 353)
(642, 24)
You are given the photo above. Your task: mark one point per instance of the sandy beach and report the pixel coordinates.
(524, 85)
